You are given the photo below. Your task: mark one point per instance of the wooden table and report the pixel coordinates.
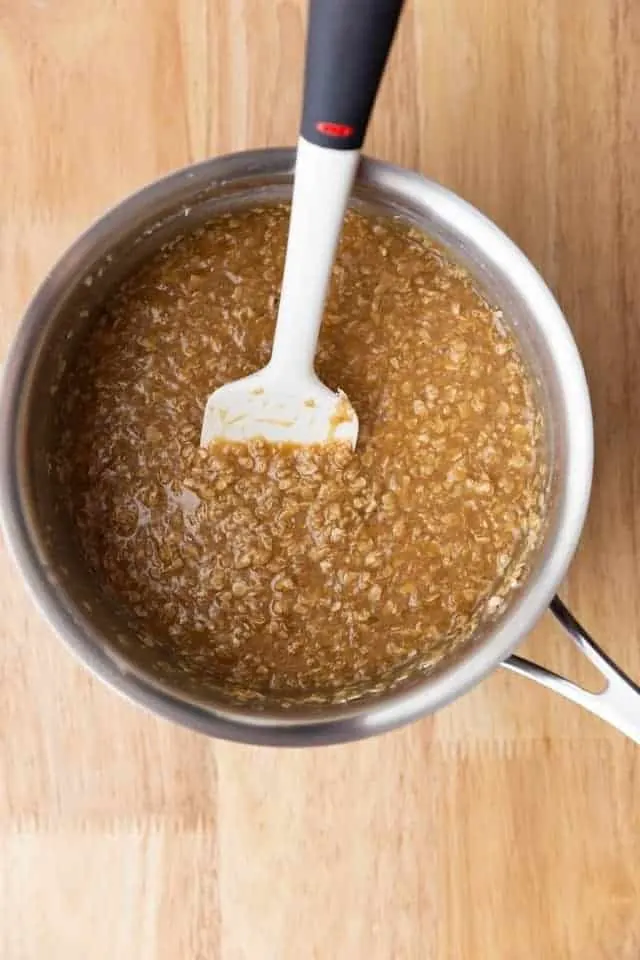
(507, 827)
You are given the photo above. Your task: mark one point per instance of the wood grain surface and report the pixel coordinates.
(507, 827)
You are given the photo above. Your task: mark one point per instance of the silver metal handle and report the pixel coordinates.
(619, 702)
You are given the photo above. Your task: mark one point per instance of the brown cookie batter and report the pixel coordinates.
(303, 572)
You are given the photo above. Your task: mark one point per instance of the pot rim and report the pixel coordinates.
(341, 723)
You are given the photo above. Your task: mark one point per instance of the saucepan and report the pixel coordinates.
(43, 545)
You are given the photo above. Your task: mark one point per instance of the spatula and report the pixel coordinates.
(347, 46)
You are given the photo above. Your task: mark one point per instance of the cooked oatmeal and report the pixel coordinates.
(303, 572)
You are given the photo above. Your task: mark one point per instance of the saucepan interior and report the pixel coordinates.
(38, 533)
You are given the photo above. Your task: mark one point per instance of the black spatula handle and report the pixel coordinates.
(347, 46)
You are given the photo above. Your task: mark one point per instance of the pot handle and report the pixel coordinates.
(619, 702)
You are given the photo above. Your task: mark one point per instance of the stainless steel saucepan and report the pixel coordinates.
(49, 560)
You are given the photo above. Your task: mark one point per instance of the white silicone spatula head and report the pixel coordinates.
(347, 47)
(298, 413)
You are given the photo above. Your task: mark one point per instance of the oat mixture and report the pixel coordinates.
(309, 572)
